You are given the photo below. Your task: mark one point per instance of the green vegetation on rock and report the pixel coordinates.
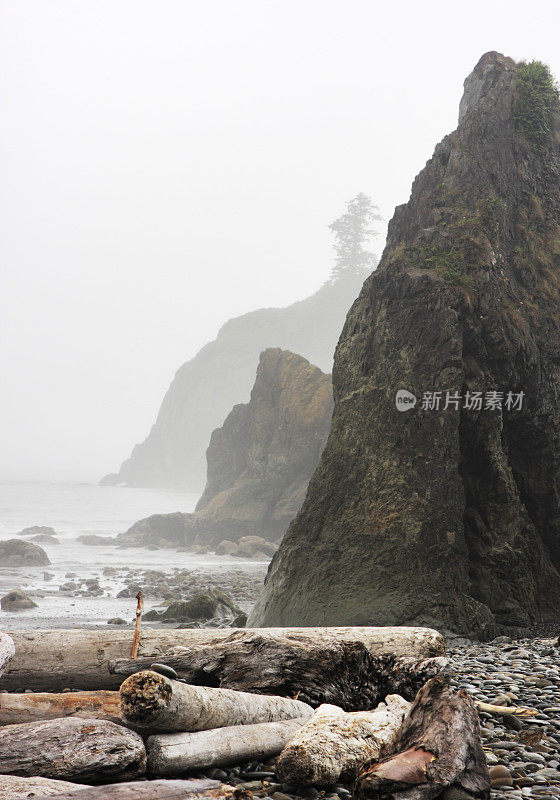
(536, 101)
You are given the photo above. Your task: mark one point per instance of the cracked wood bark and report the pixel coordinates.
(175, 753)
(14, 787)
(437, 746)
(316, 670)
(7, 650)
(334, 744)
(152, 790)
(19, 708)
(153, 703)
(52, 660)
(81, 749)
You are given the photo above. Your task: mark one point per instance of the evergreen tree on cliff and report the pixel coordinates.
(352, 232)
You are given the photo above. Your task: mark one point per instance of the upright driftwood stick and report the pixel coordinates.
(7, 650)
(335, 743)
(81, 749)
(153, 703)
(136, 637)
(317, 670)
(16, 709)
(151, 790)
(437, 746)
(52, 660)
(175, 753)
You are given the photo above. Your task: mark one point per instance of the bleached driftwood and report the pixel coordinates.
(516, 711)
(153, 703)
(316, 669)
(152, 790)
(81, 749)
(7, 650)
(174, 753)
(16, 709)
(334, 744)
(52, 660)
(14, 787)
(438, 745)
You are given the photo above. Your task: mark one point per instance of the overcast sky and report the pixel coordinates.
(168, 164)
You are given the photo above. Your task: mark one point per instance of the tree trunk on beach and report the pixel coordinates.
(52, 660)
(81, 749)
(152, 790)
(335, 744)
(14, 787)
(437, 746)
(7, 650)
(16, 709)
(315, 669)
(153, 703)
(175, 753)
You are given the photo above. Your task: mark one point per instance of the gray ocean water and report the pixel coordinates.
(75, 509)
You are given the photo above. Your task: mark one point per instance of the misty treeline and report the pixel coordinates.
(352, 232)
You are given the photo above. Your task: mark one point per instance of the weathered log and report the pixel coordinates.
(81, 749)
(16, 709)
(14, 787)
(437, 746)
(334, 744)
(51, 660)
(317, 671)
(7, 650)
(175, 753)
(152, 703)
(516, 711)
(151, 790)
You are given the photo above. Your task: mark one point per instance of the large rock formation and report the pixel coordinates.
(447, 517)
(260, 460)
(207, 387)
(17, 553)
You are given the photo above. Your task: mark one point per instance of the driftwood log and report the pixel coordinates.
(175, 753)
(14, 787)
(334, 744)
(88, 750)
(52, 660)
(151, 790)
(437, 746)
(316, 670)
(152, 703)
(16, 709)
(7, 650)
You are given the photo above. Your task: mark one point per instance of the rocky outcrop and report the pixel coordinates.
(17, 553)
(259, 461)
(447, 517)
(16, 600)
(38, 530)
(206, 388)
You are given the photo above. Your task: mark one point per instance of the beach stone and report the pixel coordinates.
(48, 576)
(500, 776)
(152, 615)
(17, 553)
(116, 621)
(204, 606)
(16, 600)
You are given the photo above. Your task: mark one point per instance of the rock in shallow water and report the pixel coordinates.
(16, 600)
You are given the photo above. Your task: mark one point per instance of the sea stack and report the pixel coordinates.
(447, 513)
(259, 462)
